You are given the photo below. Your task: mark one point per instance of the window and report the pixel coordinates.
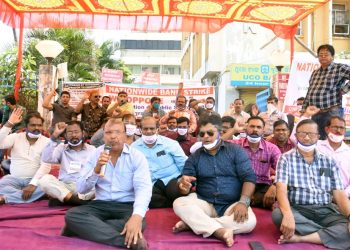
(151, 44)
(340, 20)
(171, 70)
(151, 68)
(300, 29)
(135, 69)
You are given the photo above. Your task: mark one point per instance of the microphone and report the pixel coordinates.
(106, 150)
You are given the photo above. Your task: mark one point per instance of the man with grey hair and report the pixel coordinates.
(307, 182)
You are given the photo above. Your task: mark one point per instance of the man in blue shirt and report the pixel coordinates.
(123, 191)
(72, 156)
(166, 160)
(225, 182)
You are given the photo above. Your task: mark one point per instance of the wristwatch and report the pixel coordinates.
(245, 200)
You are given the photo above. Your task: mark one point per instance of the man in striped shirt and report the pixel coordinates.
(327, 85)
(307, 182)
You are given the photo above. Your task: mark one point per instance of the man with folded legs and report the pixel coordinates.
(71, 156)
(21, 185)
(224, 180)
(307, 183)
(123, 191)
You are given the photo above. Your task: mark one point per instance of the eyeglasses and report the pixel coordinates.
(209, 133)
(97, 96)
(335, 128)
(310, 134)
(324, 55)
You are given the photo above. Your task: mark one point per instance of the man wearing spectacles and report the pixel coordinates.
(327, 85)
(307, 182)
(335, 147)
(92, 113)
(224, 181)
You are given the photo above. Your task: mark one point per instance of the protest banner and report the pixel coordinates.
(140, 95)
(78, 89)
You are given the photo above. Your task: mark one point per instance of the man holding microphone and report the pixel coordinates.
(123, 193)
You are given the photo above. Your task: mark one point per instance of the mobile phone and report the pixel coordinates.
(256, 245)
(57, 90)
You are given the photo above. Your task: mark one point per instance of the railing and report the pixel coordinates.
(28, 93)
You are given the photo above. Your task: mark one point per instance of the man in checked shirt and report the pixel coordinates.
(307, 182)
(327, 85)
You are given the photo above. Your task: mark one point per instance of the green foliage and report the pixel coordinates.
(106, 60)
(8, 65)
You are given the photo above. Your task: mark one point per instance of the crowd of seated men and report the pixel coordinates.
(210, 169)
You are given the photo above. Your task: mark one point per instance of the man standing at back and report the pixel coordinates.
(62, 111)
(326, 88)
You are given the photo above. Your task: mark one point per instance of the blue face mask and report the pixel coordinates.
(156, 105)
(6, 108)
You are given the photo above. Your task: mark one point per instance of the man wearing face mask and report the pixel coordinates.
(335, 147)
(264, 156)
(121, 107)
(123, 190)
(271, 115)
(154, 109)
(209, 107)
(224, 181)
(21, 185)
(130, 128)
(71, 156)
(166, 160)
(307, 182)
(180, 111)
(181, 135)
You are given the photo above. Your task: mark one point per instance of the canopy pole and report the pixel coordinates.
(291, 49)
(19, 56)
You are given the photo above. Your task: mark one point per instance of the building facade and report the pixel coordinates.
(237, 59)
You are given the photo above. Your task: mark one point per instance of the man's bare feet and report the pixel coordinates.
(225, 235)
(2, 200)
(180, 226)
(294, 239)
(140, 245)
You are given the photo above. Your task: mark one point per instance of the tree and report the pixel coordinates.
(105, 59)
(8, 65)
(79, 51)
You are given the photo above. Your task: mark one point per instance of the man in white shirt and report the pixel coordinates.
(335, 147)
(20, 186)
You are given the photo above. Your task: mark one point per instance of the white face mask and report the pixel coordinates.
(335, 138)
(182, 131)
(306, 148)
(299, 107)
(201, 105)
(271, 108)
(130, 129)
(33, 135)
(254, 138)
(149, 139)
(209, 105)
(75, 144)
(211, 145)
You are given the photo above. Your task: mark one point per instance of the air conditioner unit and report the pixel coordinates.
(341, 29)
